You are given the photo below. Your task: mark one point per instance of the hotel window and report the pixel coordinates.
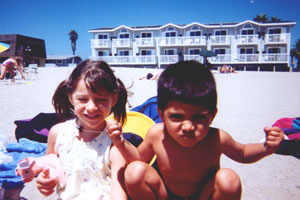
(247, 32)
(102, 53)
(220, 51)
(247, 26)
(124, 33)
(146, 35)
(221, 32)
(170, 32)
(195, 31)
(274, 31)
(123, 53)
(103, 36)
(246, 51)
(170, 52)
(146, 52)
(194, 51)
(273, 50)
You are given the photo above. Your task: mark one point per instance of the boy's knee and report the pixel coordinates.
(135, 172)
(228, 182)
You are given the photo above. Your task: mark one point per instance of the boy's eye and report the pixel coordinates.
(176, 117)
(198, 117)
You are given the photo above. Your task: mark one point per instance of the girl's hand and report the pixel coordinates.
(45, 184)
(114, 131)
(274, 137)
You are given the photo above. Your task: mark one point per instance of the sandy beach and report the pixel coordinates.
(247, 102)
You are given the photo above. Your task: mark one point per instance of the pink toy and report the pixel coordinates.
(28, 168)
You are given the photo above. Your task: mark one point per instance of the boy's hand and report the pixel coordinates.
(45, 184)
(114, 131)
(274, 137)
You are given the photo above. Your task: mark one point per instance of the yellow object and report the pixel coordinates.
(3, 47)
(137, 123)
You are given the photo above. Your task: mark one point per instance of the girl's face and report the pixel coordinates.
(92, 108)
(187, 124)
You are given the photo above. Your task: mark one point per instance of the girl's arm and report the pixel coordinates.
(44, 183)
(118, 164)
(248, 153)
(128, 151)
(20, 69)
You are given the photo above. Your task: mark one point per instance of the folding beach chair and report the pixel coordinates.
(149, 108)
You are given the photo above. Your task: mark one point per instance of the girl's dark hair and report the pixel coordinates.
(96, 75)
(189, 82)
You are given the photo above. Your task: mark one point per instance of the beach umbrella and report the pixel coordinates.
(206, 54)
(3, 46)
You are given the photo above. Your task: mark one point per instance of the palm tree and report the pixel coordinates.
(297, 53)
(293, 54)
(73, 37)
(261, 18)
(275, 19)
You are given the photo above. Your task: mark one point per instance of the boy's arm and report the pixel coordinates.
(145, 149)
(248, 153)
(128, 151)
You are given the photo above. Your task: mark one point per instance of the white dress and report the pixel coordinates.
(86, 164)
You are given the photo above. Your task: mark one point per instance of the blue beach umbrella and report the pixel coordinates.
(4, 46)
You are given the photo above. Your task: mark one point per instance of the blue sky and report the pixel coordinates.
(52, 20)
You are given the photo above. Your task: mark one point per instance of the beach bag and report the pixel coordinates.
(37, 128)
(291, 128)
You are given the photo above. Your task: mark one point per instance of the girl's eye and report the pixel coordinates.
(101, 100)
(82, 99)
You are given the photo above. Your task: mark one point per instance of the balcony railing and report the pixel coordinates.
(247, 39)
(182, 41)
(275, 58)
(276, 38)
(219, 59)
(194, 57)
(145, 42)
(127, 60)
(168, 59)
(247, 58)
(220, 40)
(97, 43)
(124, 42)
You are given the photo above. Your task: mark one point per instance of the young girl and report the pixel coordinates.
(92, 165)
(11, 65)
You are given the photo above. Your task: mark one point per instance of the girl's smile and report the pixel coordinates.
(92, 108)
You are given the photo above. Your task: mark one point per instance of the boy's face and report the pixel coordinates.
(186, 123)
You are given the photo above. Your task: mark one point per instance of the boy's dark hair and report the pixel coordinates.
(188, 82)
(97, 75)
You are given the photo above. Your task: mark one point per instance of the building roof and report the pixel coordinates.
(209, 25)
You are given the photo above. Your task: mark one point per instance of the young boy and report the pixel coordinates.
(188, 150)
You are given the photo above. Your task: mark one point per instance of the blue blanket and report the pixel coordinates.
(18, 151)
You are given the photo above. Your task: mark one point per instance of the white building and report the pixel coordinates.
(245, 44)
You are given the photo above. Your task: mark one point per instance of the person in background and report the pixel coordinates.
(10, 65)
